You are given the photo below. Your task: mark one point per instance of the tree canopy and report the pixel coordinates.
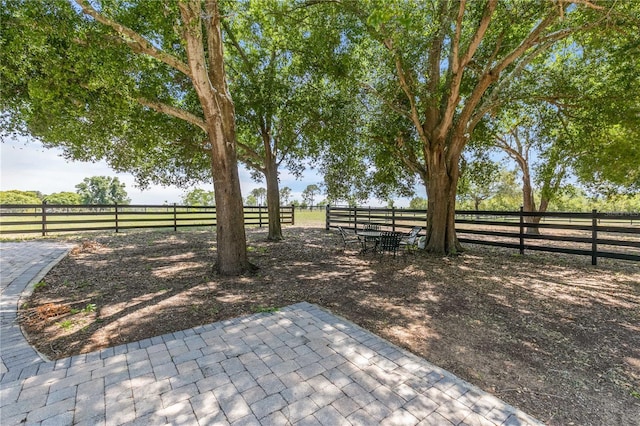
(70, 83)
(286, 65)
(139, 84)
(439, 69)
(259, 195)
(102, 190)
(65, 197)
(377, 95)
(199, 197)
(578, 121)
(310, 193)
(20, 197)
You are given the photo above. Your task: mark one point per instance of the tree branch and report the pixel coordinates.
(395, 108)
(404, 84)
(433, 75)
(510, 151)
(174, 112)
(251, 154)
(234, 42)
(455, 43)
(408, 156)
(134, 40)
(457, 67)
(215, 58)
(480, 32)
(253, 165)
(527, 43)
(470, 116)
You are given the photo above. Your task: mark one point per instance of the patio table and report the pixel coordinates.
(369, 234)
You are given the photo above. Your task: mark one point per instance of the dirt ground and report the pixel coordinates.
(549, 334)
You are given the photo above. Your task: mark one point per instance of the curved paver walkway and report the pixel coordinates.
(300, 365)
(21, 266)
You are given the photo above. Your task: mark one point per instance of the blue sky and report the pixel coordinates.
(27, 166)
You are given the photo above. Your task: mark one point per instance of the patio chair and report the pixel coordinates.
(349, 239)
(389, 242)
(371, 227)
(411, 241)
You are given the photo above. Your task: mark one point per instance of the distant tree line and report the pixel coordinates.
(258, 197)
(500, 190)
(92, 190)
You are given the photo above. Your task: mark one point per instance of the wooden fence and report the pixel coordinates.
(56, 218)
(595, 234)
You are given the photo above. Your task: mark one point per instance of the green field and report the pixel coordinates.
(310, 218)
(13, 224)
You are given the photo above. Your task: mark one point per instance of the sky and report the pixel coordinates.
(26, 165)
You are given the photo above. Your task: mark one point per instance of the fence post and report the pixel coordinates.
(393, 218)
(116, 207)
(327, 219)
(521, 231)
(175, 218)
(355, 218)
(293, 214)
(260, 216)
(44, 218)
(594, 237)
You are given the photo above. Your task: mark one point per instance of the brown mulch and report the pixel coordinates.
(549, 334)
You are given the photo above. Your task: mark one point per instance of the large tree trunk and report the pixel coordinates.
(534, 229)
(209, 80)
(231, 239)
(273, 200)
(441, 182)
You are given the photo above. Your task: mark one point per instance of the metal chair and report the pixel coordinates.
(347, 239)
(370, 227)
(412, 239)
(389, 242)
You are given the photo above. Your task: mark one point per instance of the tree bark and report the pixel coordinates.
(529, 203)
(230, 234)
(208, 79)
(441, 183)
(273, 199)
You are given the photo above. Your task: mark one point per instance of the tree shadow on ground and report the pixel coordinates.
(551, 335)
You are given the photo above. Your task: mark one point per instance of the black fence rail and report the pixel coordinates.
(595, 234)
(56, 218)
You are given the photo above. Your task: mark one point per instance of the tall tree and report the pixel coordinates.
(520, 142)
(285, 195)
(286, 106)
(309, 194)
(251, 200)
(260, 195)
(581, 119)
(199, 197)
(141, 84)
(102, 190)
(482, 179)
(444, 65)
(418, 203)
